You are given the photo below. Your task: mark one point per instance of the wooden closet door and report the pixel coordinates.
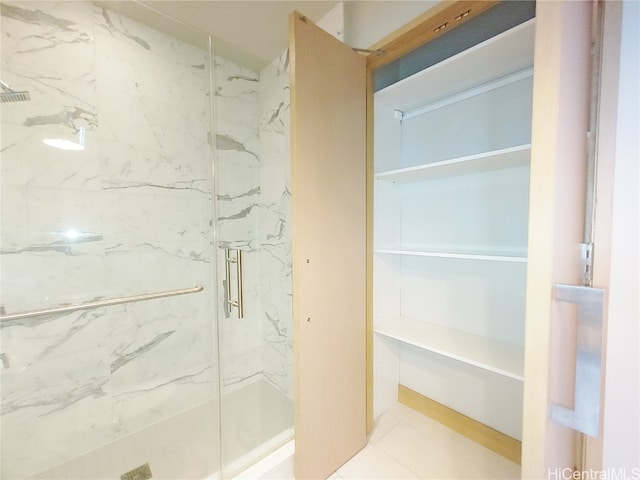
(328, 100)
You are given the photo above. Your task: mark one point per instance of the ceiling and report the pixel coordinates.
(256, 31)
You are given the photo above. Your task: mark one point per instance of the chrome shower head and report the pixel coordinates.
(8, 94)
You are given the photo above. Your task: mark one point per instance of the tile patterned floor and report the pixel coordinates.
(406, 444)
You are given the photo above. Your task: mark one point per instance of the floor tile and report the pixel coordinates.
(429, 459)
(372, 463)
(384, 424)
(495, 464)
(284, 471)
(435, 430)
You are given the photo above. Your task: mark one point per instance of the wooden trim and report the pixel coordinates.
(435, 22)
(488, 437)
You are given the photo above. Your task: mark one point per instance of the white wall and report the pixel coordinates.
(368, 22)
(622, 405)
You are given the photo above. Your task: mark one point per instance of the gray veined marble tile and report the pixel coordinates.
(274, 220)
(153, 169)
(72, 117)
(196, 186)
(129, 165)
(244, 213)
(31, 275)
(237, 108)
(158, 349)
(54, 210)
(13, 211)
(115, 24)
(125, 358)
(146, 267)
(150, 126)
(239, 244)
(61, 104)
(137, 59)
(45, 166)
(227, 197)
(237, 181)
(147, 156)
(233, 80)
(52, 38)
(278, 330)
(226, 142)
(138, 218)
(33, 342)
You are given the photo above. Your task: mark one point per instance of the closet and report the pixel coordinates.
(455, 255)
(452, 147)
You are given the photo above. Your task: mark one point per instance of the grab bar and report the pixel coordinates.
(99, 303)
(228, 260)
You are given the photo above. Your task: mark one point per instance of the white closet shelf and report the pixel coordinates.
(462, 256)
(500, 55)
(518, 156)
(492, 355)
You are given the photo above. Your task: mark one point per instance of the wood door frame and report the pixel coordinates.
(432, 24)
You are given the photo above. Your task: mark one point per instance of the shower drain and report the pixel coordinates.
(143, 472)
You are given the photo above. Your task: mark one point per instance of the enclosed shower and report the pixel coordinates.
(145, 271)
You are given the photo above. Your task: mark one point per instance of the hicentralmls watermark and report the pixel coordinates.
(608, 474)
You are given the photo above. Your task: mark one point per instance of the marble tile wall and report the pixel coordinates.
(253, 211)
(237, 207)
(252, 208)
(132, 213)
(275, 225)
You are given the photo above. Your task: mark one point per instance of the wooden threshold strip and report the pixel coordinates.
(488, 437)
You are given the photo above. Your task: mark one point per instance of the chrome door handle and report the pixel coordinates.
(585, 416)
(228, 260)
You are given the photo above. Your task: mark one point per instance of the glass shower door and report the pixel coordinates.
(253, 223)
(106, 178)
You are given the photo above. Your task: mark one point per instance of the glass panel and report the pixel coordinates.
(254, 216)
(127, 210)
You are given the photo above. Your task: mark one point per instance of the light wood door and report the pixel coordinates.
(328, 99)
(561, 100)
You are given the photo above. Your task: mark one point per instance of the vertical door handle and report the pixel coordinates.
(228, 260)
(585, 416)
(240, 301)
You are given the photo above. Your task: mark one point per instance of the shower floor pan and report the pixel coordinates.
(258, 419)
